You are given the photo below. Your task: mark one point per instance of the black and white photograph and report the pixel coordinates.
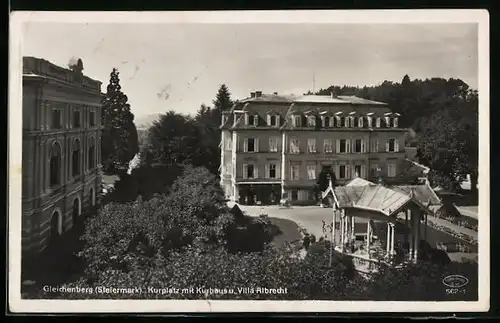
(203, 161)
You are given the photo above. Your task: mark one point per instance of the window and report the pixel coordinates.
(228, 144)
(374, 146)
(395, 122)
(295, 172)
(91, 156)
(294, 146)
(343, 146)
(357, 146)
(354, 121)
(252, 120)
(272, 171)
(392, 145)
(92, 118)
(55, 165)
(76, 118)
(377, 122)
(295, 195)
(273, 144)
(272, 120)
(75, 159)
(251, 145)
(357, 170)
(391, 170)
(56, 119)
(340, 121)
(311, 121)
(388, 122)
(249, 171)
(342, 171)
(311, 145)
(360, 122)
(296, 120)
(311, 171)
(328, 146)
(374, 170)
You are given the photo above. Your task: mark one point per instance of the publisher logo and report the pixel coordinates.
(455, 281)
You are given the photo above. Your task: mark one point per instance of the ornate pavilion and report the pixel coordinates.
(388, 212)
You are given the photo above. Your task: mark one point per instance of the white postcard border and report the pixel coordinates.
(17, 19)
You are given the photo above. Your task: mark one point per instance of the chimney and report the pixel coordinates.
(258, 94)
(252, 94)
(275, 93)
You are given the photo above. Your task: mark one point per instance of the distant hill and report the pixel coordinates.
(144, 122)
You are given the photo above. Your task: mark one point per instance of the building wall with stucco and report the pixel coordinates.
(61, 173)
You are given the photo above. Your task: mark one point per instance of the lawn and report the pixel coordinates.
(289, 232)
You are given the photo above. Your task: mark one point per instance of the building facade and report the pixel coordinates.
(61, 149)
(273, 147)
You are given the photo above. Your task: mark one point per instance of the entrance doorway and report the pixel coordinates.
(55, 226)
(76, 210)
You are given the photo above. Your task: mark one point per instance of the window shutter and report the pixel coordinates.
(347, 172)
(396, 145)
(268, 119)
(360, 122)
(348, 145)
(278, 170)
(363, 171)
(256, 120)
(246, 119)
(255, 171)
(268, 175)
(337, 171)
(256, 144)
(363, 145)
(245, 170)
(395, 122)
(277, 117)
(245, 145)
(337, 146)
(387, 146)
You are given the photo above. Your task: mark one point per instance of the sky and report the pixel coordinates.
(180, 66)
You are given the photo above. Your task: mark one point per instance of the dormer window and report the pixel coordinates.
(296, 120)
(354, 122)
(331, 122)
(273, 120)
(311, 121)
(377, 122)
(347, 122)
(252, 120)
(340, 121)
(387, 121)
(360, 122)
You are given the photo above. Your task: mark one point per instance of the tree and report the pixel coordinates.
(173, 139)
(119, 138)
(222, 101)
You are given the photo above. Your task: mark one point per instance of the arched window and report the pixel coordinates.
(75, 158)
(55, 165)
(76, 210)
(55, 225)
(91, 154)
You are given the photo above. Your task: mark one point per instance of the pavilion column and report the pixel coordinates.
(333, 234)
(412, 239)
(388, 239)
(353, 234)
(342, 228)
(368, 233)
(393, 233)
(406, 229)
